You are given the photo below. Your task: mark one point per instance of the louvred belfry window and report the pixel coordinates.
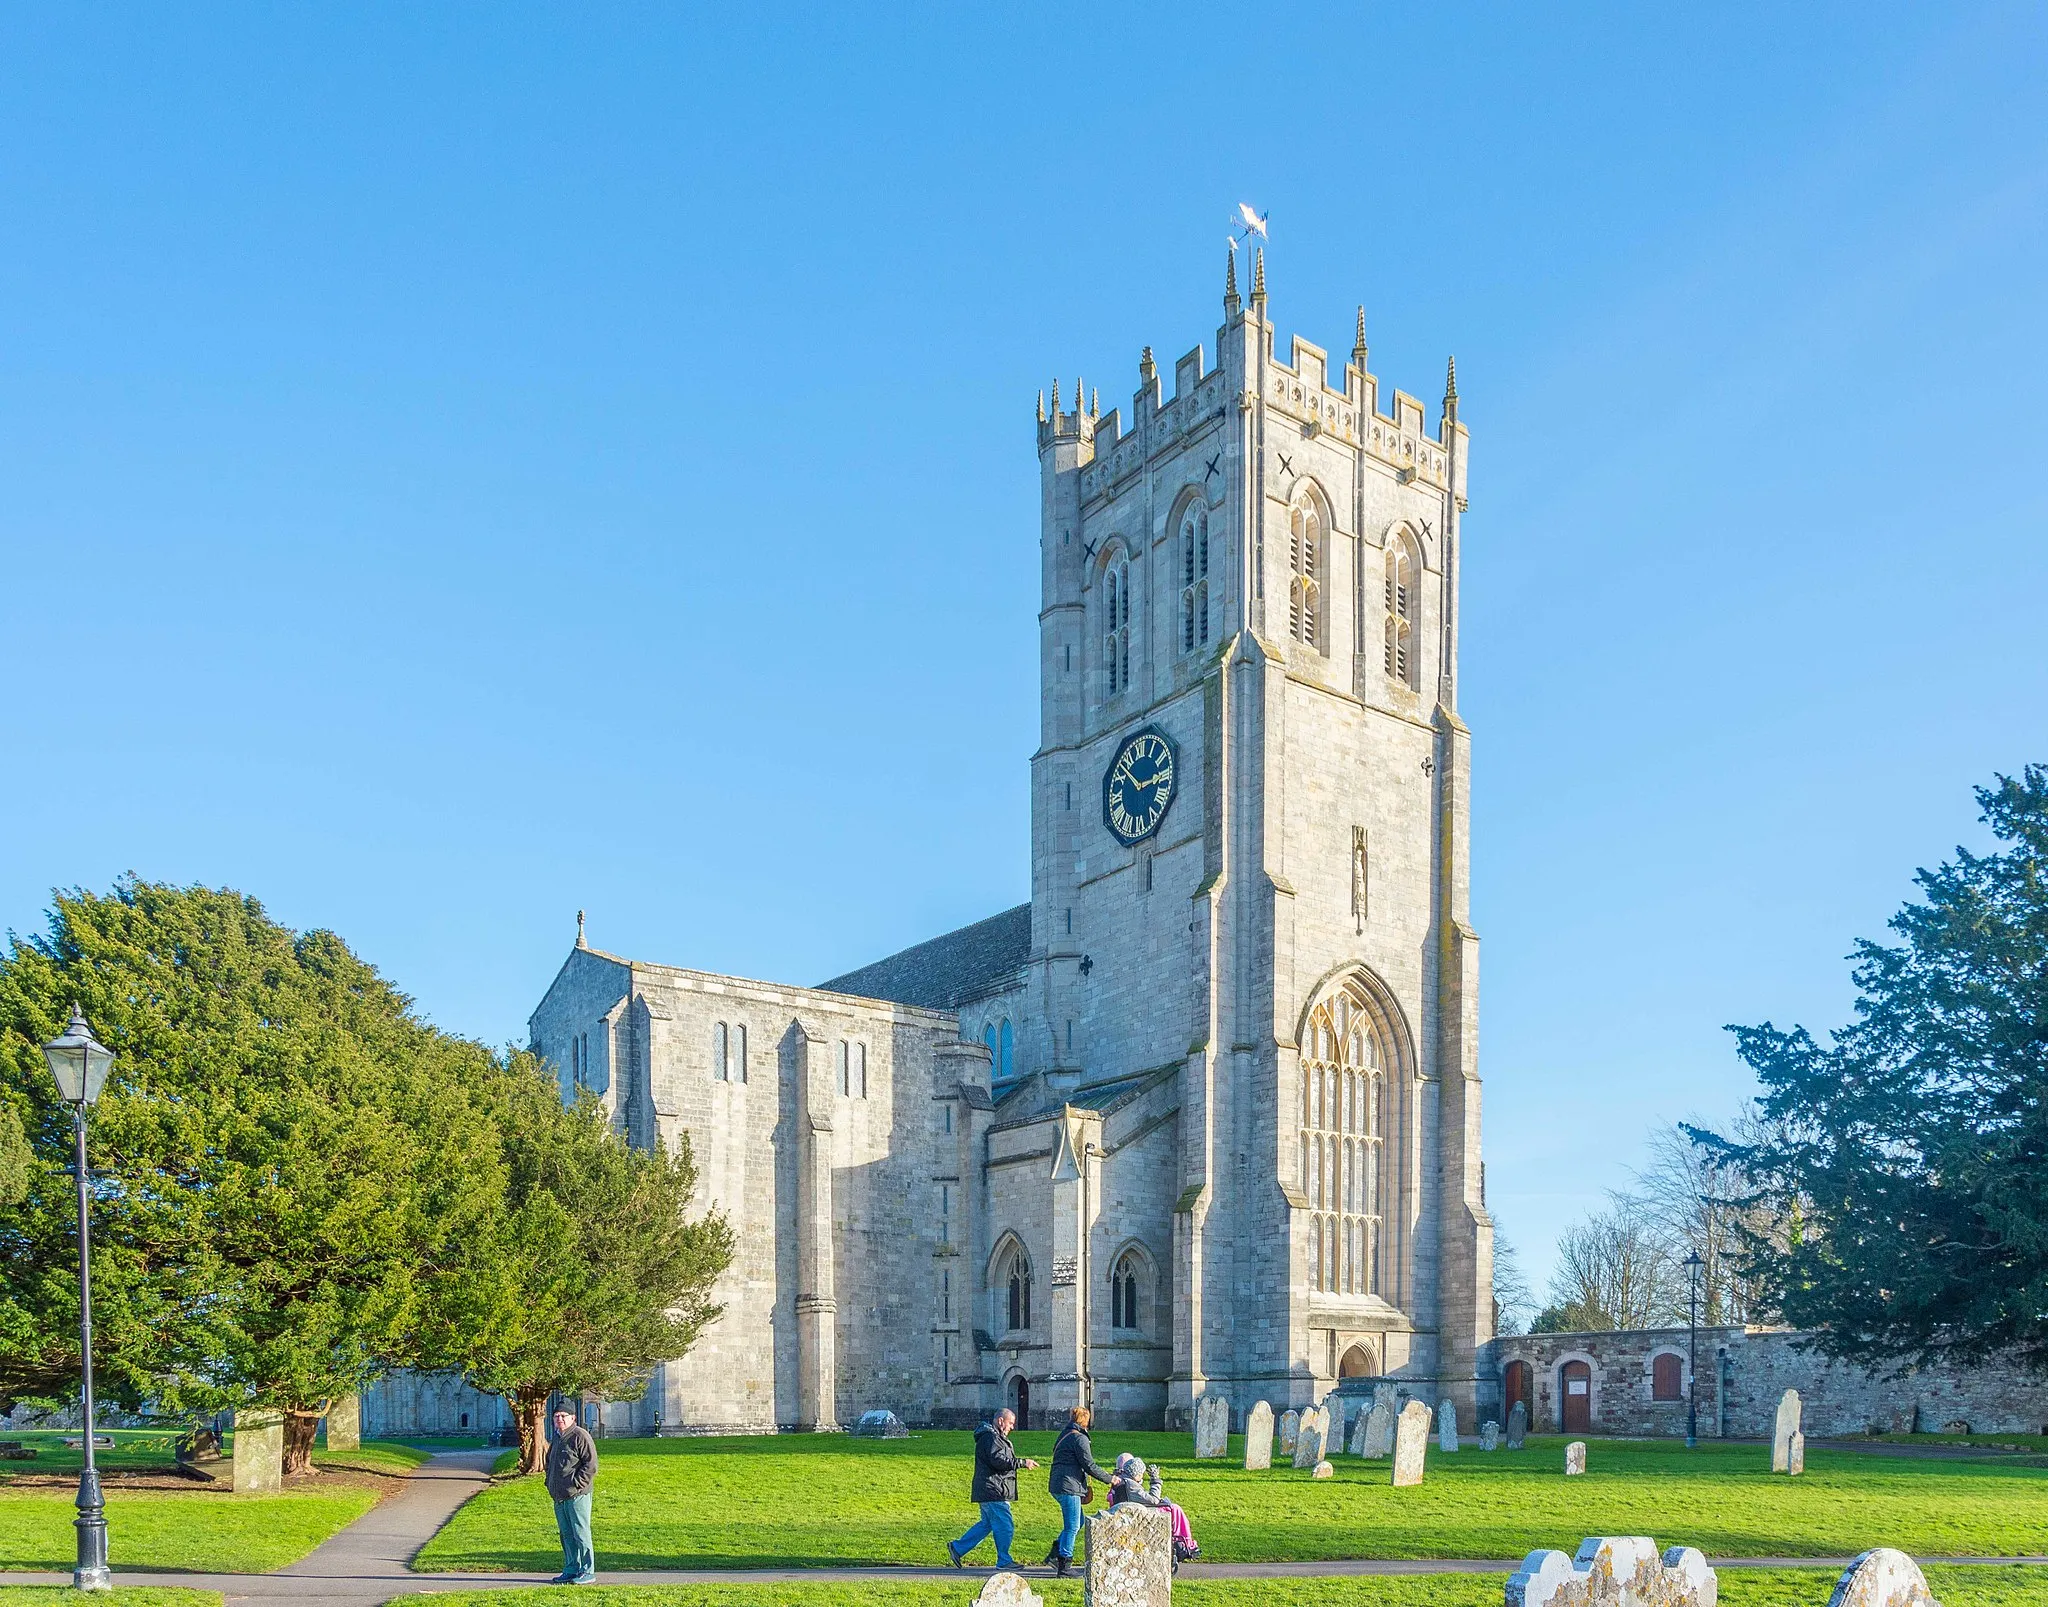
(1400, 610)
(1194, 579)
(1305, 559)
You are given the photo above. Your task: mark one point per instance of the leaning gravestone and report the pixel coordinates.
(1379, 1432)
(259, 1453)
(1358, 1426)
(1446, 1424)
(1130, 1558)
(1614, 1573)
(1882, 1578)
(1308, 1443)
(1008, 1590)
(1212, 1426)
(1518, 1424)
(1787, 1426)
(1795, 1454)
(1489, 1435)
(1411, 1444)
(1290, 1431)
(1258, 1438)
(1575, 1458)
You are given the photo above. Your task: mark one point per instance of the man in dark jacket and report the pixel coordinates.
(994, 1488)
(572, 1470)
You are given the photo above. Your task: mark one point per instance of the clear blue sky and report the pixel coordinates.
(460, 464)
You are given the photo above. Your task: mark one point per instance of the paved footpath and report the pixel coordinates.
(369, 1562)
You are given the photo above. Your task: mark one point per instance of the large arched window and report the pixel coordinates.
(1116, 625)
(1127, 1288)
(1194, 578)
(1345, 1069)
(1401, 609)
(1305, 559)
(1013, 1290)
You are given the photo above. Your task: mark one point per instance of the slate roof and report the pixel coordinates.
(946, 972)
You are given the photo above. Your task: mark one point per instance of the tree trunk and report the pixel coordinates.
(300, 1425)
(531, 1407)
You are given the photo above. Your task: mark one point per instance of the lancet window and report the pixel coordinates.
(1125, 1285)
(1013, 1291)
(1401, 609)
(1194, 578)
(1116, 626)
(1343, 1095)
(1305, 559)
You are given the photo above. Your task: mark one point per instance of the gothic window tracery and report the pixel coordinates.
(1116, 626)
(1013, 1291)
(1344, 1073)
(1126, 1283)
(1194, 578)
(1401, 609)
(1305, 560)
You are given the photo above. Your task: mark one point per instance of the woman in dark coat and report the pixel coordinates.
(1073, 1465)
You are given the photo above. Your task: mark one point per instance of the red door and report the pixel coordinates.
(1517, 1389)
(1576, 1384)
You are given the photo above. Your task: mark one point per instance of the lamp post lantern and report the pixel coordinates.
(1693, 1264)
(80, 1062)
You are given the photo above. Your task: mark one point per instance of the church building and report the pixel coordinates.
(1203, 1115)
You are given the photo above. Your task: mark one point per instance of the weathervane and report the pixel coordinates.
(1246, 224)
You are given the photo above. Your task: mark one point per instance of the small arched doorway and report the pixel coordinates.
(1356, 1363)
(1020, 1400)
(1515, 1386)
(1576, 1397)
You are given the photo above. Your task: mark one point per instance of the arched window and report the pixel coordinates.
(1667, 1376)
(1401, 609)
(988, 1041)
(1343, 1074)
(1006, 1043)
(1126, 1285)
(857, 1078)
(721, 1066)
(1116, 626)
(845, 1069)
(739, 1052)
(1305, 559)
(1013, 1291)
(1194, 578)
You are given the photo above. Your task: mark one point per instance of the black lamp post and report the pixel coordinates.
(80, 1063)
(1693, 1264)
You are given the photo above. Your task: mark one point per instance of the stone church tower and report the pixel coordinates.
(1204, 1114)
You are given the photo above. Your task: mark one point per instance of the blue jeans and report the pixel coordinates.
(1070, 1509)
(572, 1517)
(995, 1520)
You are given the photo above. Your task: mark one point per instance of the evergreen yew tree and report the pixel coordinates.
(1910, 1153)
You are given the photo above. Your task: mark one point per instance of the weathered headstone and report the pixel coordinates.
(1379, 1432)
(1323, 1470)
(1212, 1425)
(1518, 1424)
(345, 1424)
(1308, 1441)
(1008, 1590)
(1489, 1435)
(1357, 1442)
(259, 1453)
(1411, 1444)
(1624, 1572)
(1130, 1558)
(1447, 1424)
(1575, 1458)
(1795, 1453)
(1882, 1578)
(1258, 1438)
(1290, 1431)
(1787, 1426)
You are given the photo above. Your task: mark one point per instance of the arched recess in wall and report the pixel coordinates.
(1360, 1361)
(1010, 1286)
(1138, 1306)
(1353, 1095)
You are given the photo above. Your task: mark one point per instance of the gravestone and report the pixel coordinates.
(1379, 1432)
(1411, 1444)
(1308, 1441)
(1212, 1425)
(1358, 1426)
(1130, 1558)
(1575, 1458)
(1258, 1438)
(1624, 1572)
(1323, 1470)
(1446, 1424)
(1882, 1578)
(259, 1453)
(1290, 1431)
(1787, 1426)
(1518, 1424)
(1489, 1435)
(1795, 1454)
(344, 1424)
(880, 1425)
(1008, 1590)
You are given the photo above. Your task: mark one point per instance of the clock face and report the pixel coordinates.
(1138, 788)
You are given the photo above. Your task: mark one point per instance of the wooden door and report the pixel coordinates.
(1576, 1388)
(1516, 1388)
(1023, 1404)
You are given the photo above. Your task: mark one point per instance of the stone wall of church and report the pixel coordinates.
(1742, 1374)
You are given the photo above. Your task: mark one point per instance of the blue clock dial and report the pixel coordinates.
(1139, 785)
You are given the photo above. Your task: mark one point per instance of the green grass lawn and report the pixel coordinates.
(1746, 1587)
(137, 1596)
(795, 1501)
(201, 1528)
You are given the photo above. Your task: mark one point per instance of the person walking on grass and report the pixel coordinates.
(572, 1471)
(1073, 1465)
(994, 1488)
